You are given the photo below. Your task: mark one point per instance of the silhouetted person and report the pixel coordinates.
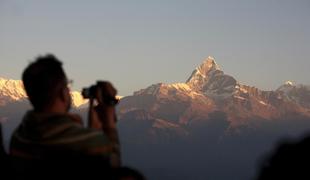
(289, 161)
(52, 142)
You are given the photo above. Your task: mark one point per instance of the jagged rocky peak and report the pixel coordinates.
(203, 73)
(211, 80)
(208, 65)
(289, 83)
(286, 87)
(206, 79)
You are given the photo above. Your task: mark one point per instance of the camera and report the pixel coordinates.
(90, 93)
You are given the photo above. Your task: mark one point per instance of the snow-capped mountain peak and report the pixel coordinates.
(211, 58)
(289, 83)
(203, 73)
(286, 87)
(208, 65)
(209, 79)
(11, 90)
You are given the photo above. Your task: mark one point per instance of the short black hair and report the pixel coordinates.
(43, 79)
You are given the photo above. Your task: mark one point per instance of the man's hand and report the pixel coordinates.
(103, 116)
(93, 118)
(106, 112)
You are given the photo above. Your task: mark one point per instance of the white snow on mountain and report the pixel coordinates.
(290, 83)
(286, 87)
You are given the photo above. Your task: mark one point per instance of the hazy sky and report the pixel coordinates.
(136, 43)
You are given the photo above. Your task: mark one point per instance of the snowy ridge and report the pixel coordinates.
(299, 94)
(13, 90)
(162, 90)
(290, 83)
(286, 87)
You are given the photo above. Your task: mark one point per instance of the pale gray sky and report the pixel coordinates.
(137, 43)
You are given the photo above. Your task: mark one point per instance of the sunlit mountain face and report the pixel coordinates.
(210, 126)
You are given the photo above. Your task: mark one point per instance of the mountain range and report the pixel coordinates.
(209, 90)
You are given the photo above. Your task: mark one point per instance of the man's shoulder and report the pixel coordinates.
(71, 130)
(56, 129)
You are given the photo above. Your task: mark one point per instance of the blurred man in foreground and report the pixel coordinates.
(49, 133)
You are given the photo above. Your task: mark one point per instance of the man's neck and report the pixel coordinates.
(56, 107)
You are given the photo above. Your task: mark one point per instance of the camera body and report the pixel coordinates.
(90, 93)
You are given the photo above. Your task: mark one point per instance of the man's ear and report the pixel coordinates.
(63, 94)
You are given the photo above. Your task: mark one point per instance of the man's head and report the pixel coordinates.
(45, 83)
